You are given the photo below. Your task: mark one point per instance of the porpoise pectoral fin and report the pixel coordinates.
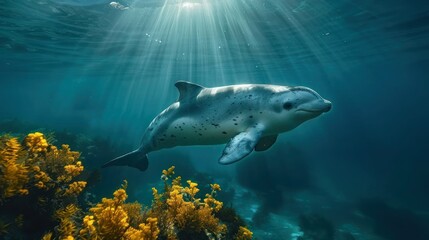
(137, 159)
(265, 143)
(239, 147)
(187, 90)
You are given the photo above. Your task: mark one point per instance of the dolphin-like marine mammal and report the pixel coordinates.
(247, 117)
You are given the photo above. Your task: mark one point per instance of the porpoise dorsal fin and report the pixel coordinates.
(187, 90)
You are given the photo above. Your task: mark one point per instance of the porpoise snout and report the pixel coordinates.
(316, 106)
(328, 105)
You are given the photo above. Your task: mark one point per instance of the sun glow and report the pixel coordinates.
(190, 5)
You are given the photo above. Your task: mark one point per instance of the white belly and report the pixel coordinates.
(187, 131)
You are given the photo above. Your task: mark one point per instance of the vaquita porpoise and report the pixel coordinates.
(247, 117)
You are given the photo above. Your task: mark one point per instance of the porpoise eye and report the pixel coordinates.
(287, 105)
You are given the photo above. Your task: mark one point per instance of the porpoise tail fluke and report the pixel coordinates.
(137, 159)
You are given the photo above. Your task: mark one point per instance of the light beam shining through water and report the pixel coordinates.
(117, 62)
(189, 5)
(211, 43)
(197, 41)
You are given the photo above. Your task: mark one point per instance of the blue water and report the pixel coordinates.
(101, 70)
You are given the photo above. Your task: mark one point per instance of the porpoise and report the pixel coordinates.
(247, 117)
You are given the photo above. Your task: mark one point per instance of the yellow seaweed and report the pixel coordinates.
(179, 210)
(35, 164)
(67, 227)
(243, 234)
(14, 174)
(37, 167)
(110, 220)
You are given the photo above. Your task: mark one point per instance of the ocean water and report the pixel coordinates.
(104, 70)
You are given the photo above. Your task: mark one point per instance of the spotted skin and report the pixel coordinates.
(204, 122)
(208, 116)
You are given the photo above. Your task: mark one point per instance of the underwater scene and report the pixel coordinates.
(214, 119)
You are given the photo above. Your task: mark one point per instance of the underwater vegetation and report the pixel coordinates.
(185, 216)
(96, 148)
(35, 165)
(41, 197)
(37, 179)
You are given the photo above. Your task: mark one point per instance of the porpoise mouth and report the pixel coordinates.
(325, 106)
